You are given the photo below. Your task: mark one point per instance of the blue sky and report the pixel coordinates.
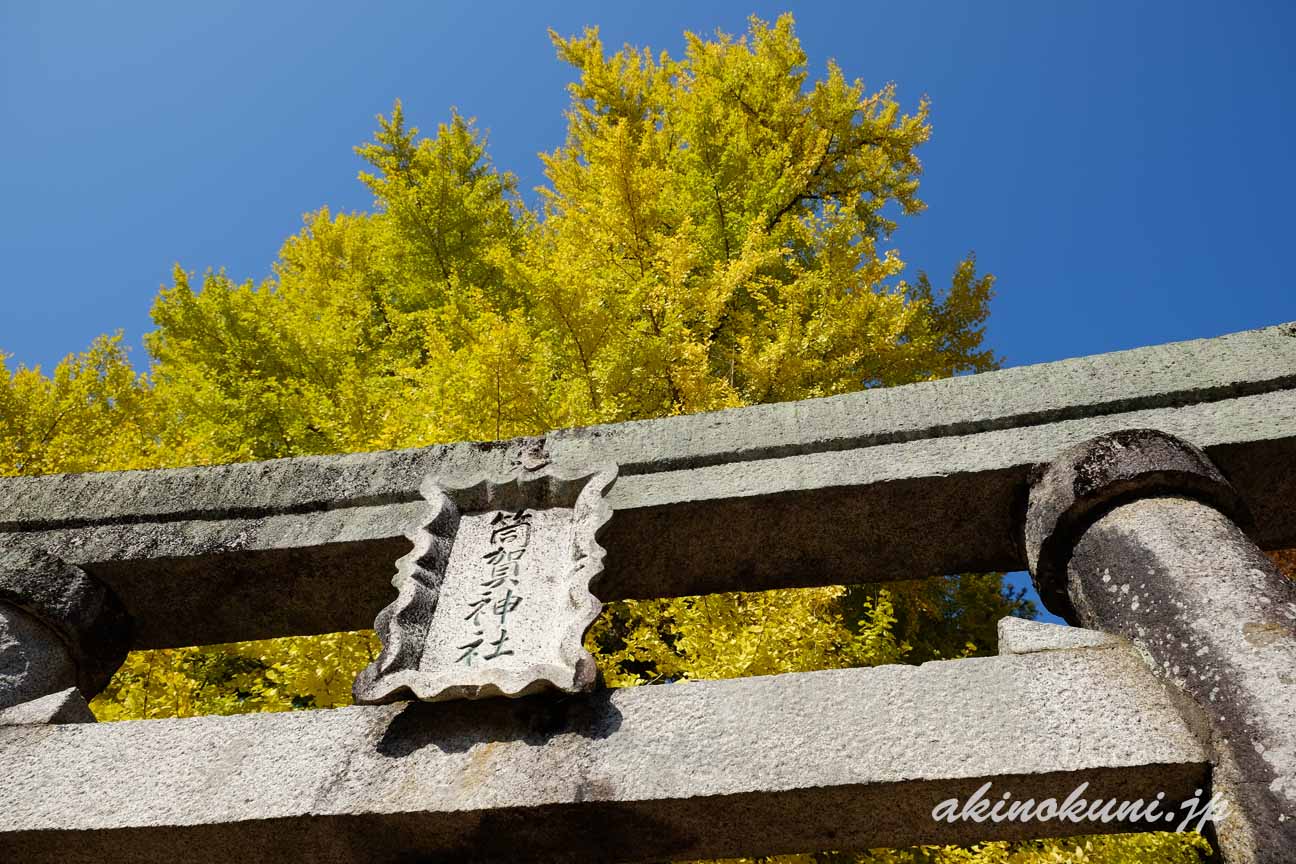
(1124, 168)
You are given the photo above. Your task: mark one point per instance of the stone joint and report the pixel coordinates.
(1087, 480)
(81, 610)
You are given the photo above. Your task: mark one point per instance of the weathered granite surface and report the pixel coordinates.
(1019, 636)
(1160, 376)
(1085, 481)
(911, 481)
(65, 706)
(82, 622)
(494, 597)
(1134, 526)
(1218, 622)
(34, 660)
(837, 759)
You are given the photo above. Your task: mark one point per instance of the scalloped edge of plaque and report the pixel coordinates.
(403, 625)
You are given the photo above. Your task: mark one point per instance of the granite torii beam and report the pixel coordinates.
(905, 482)
(845, 759)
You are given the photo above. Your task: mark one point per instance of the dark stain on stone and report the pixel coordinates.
(595, 790)
(591, 831)
(456, 727)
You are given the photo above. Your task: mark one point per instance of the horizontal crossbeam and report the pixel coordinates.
(899, 483)
(845, 759)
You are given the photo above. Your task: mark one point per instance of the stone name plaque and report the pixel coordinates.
(494, 599)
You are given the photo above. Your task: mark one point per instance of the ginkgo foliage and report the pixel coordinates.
(716, 230)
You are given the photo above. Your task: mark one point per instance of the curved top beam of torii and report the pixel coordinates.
(904, 482)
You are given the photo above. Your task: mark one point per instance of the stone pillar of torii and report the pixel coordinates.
(1138, 534)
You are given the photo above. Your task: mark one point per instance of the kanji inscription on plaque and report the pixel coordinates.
(494, 599)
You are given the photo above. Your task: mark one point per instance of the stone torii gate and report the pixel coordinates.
(1139, 488)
